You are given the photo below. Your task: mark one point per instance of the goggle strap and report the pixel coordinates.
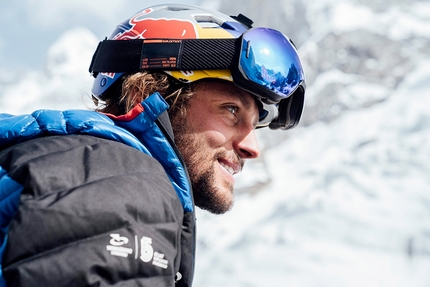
(128, 56)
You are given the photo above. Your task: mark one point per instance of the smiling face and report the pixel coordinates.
(215, 138)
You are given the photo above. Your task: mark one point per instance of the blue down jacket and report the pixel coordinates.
(92, 200)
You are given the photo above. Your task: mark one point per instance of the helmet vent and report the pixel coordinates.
(176, 8)
(207, 21)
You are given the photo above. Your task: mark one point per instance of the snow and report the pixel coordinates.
(341, 200)
(349, 16)
(65, 82)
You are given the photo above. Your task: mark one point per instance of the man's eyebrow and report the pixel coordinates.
(245, 101)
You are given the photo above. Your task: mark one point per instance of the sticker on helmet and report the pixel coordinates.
(149, 28)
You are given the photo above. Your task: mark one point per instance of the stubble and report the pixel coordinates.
(200, 164)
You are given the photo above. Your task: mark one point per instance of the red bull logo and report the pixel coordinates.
(141, 27)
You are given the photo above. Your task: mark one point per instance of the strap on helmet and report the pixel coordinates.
(129, 56)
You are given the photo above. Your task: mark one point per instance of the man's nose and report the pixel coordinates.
(247, 146)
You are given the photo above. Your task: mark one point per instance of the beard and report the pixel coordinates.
(207, 197)
(208, 194)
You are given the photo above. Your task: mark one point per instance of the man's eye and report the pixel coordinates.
(232, 109)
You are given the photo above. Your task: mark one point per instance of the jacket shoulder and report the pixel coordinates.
(96, 202)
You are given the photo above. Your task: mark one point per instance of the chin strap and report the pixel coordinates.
(129, 56)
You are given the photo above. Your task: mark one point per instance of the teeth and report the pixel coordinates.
(228, 168)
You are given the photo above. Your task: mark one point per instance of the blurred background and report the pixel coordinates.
(341, 200)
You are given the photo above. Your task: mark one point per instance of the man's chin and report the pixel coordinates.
(212, 199)
(216, 202)
(210, 194)
(215, 208)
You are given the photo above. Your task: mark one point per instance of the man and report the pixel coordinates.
(106, 197)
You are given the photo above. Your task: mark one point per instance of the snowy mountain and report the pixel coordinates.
(341, 200)
(64, 83)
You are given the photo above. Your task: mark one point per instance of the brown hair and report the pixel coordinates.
(134, 88)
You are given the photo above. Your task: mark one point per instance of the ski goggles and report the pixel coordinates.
(270, 68)
(262, 61)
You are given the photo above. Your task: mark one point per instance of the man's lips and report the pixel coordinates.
(232, 167)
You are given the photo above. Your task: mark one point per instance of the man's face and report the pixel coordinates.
(215, 138)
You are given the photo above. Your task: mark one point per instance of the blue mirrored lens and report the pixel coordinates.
(269, 59)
